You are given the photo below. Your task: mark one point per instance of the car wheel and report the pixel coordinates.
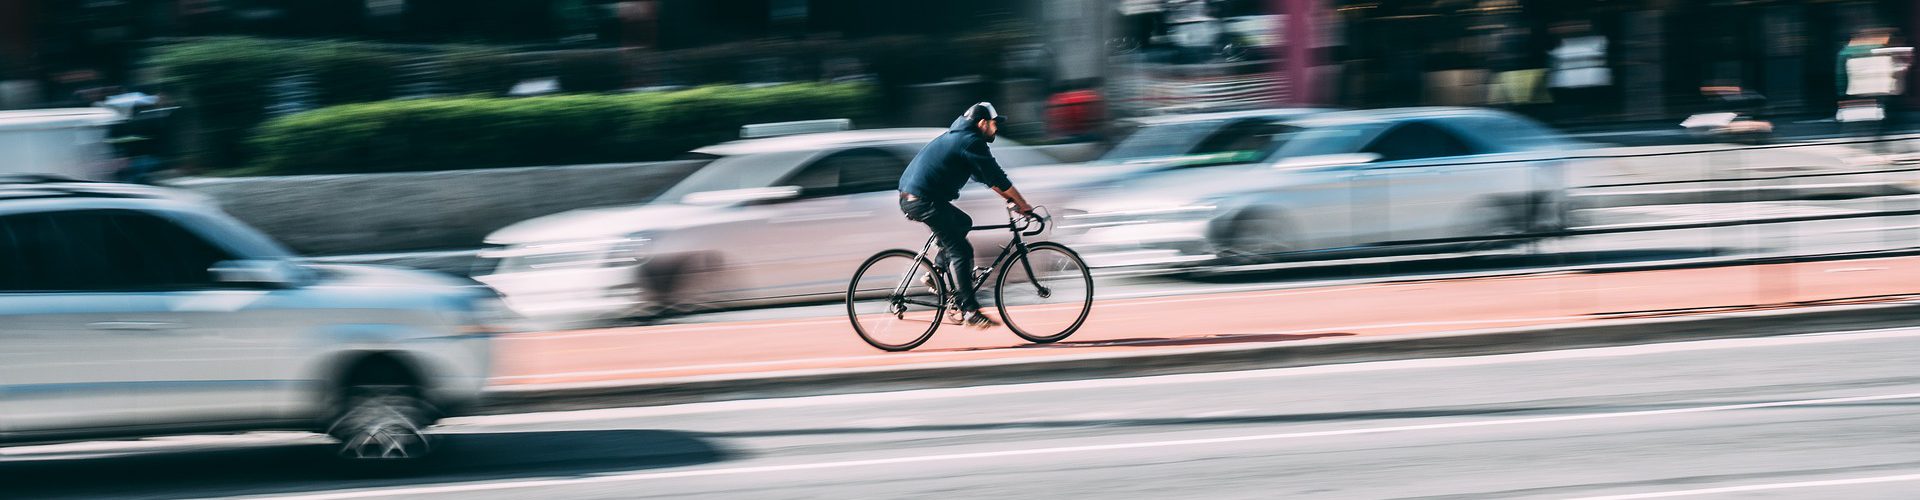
(380, 418)
(1504, 223)
(382, 427)
(681, 286)
(1252, 238)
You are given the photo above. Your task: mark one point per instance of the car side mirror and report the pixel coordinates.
(258, 273)
(748, 195)
(1326, 162)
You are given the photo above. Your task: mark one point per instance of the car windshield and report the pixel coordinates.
(736, 172)
(1170, 139)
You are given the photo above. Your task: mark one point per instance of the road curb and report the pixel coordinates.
(797, 383)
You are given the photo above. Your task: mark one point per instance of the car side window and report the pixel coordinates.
(1507, 133)
(1247, 136)
(821, 178)
(850, 172)
(174, 257)
(103, 250)
(23, 265)
(870, 170)
(1417, 140)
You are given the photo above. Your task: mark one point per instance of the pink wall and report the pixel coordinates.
(1299, 31)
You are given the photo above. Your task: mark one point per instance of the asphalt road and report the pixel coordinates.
(1824, 416)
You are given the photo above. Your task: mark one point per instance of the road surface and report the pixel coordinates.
(1819, 416)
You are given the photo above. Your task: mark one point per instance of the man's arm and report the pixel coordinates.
(1013, 195)
(988, 171)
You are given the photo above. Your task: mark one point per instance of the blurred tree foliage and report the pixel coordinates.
(483, 132)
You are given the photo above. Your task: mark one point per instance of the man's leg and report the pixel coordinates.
(950, 226)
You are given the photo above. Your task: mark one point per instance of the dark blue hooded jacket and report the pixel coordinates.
(943, 167)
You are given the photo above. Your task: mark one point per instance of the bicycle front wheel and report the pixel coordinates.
(896, 300)
(1045, 293)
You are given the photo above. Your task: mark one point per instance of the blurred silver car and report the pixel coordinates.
(1338, 182)
(1170, 142)
(130, 311)
(768, 220)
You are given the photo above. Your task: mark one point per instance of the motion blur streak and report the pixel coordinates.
(286, 244)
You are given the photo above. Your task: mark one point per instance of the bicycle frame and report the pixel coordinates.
(1014, 247)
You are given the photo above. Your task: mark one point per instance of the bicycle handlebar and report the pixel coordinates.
(1029, 225)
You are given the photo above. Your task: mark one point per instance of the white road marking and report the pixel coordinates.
(646, 476)
(718, 366)
(1853, 269)
(1878, 229)
(1761, 487)
(655, 330)
(170, 444)
(1191, 378)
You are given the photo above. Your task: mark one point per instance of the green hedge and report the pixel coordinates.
(483, 132)
(227, 81)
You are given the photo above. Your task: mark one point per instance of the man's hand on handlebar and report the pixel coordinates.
(1027, 212)
(1014, 200)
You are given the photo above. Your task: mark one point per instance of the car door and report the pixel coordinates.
(1528, 179)
(845, 208)
(131, 330)
(1413, 190)
(227, 352)
(78, 340)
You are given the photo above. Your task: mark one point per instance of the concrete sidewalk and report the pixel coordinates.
(1222, 331)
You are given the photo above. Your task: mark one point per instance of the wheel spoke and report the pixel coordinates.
(895, 301)
(1045, 294)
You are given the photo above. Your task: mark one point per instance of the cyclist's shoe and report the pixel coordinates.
(927, 280)
(980, 320)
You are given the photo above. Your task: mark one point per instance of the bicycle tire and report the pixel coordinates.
(1033, 332)
(855, 300)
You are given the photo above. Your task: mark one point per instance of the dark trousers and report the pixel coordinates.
(1881, 129)
(950, 227)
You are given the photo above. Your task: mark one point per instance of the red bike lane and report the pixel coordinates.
(1197, 321)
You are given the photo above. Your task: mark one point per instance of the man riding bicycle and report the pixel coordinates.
(933, 180)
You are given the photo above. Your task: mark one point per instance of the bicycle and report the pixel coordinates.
(898, 298)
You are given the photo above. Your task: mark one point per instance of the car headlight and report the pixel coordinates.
(606, 252)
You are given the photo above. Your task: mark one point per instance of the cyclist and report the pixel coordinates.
(933, 180)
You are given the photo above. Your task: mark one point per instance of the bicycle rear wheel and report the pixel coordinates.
(896, 300)
(1045, 293)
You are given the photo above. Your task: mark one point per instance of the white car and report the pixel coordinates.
(1339, 183)
(769, 220)
(130, 311)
